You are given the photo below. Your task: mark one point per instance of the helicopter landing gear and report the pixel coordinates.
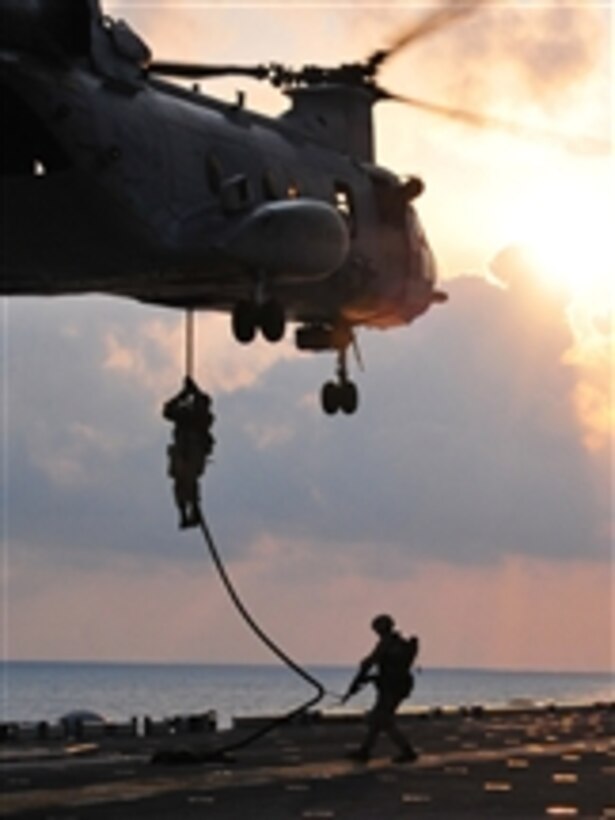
(249, 317)
(342, 394)
(272, 320)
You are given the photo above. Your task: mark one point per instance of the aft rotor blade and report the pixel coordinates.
(582, 144)
(194, 71)
(436, 20)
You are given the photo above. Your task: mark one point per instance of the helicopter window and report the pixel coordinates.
(214, 174)
(271, 190)
(236, 193)
(344, 202)
(343, 199)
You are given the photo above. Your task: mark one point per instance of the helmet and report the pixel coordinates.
(383, 623)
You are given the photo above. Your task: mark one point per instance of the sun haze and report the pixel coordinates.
(476, 476)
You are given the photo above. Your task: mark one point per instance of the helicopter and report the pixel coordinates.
(124, 182)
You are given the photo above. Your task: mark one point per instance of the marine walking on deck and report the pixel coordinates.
(388, 667)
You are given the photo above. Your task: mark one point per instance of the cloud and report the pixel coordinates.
(66, 463)
(542, 54)
(116, 608)
(84, 438)
(592, 357)
(552, 48)
(465, 447)
(151, 354)
(595, 411)
(465, 477)
(165, 610)
(588, 350)
(548, 67)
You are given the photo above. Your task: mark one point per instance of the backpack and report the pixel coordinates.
(401, 655)
(395, 673)
(411, 647)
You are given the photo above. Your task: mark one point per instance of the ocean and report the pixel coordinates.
(31, 691)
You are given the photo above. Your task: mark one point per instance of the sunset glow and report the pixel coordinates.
(567, 229)
(475, 477)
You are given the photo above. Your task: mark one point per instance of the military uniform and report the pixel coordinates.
(388, 668)
(190, 412)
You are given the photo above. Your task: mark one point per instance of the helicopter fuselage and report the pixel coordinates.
(141, 188)
(115, 181)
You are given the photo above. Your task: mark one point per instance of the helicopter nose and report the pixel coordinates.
(436, 296)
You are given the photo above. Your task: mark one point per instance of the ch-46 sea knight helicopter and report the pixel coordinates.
(116, 181)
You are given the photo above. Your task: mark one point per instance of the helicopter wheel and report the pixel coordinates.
(248, 317)
(348, 397)
(343, 396)
(245, 321)
(272, 320)
(330, 398)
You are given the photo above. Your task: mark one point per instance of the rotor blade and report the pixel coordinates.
(431, 23)
(582, 144)
(194, 71)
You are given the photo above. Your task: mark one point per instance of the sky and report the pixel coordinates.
(470, 496)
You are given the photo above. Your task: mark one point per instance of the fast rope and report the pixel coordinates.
(268, 642)
(192, 515)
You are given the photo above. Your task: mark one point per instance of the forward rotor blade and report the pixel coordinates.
(581, 144)
(431, 23)
(194, 71)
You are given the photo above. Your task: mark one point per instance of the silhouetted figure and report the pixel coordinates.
(388, 668)
(190, 412)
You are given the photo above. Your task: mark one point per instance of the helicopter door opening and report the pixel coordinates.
(64, 24)
(214, 173)
(28, 147)
(236, 193)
